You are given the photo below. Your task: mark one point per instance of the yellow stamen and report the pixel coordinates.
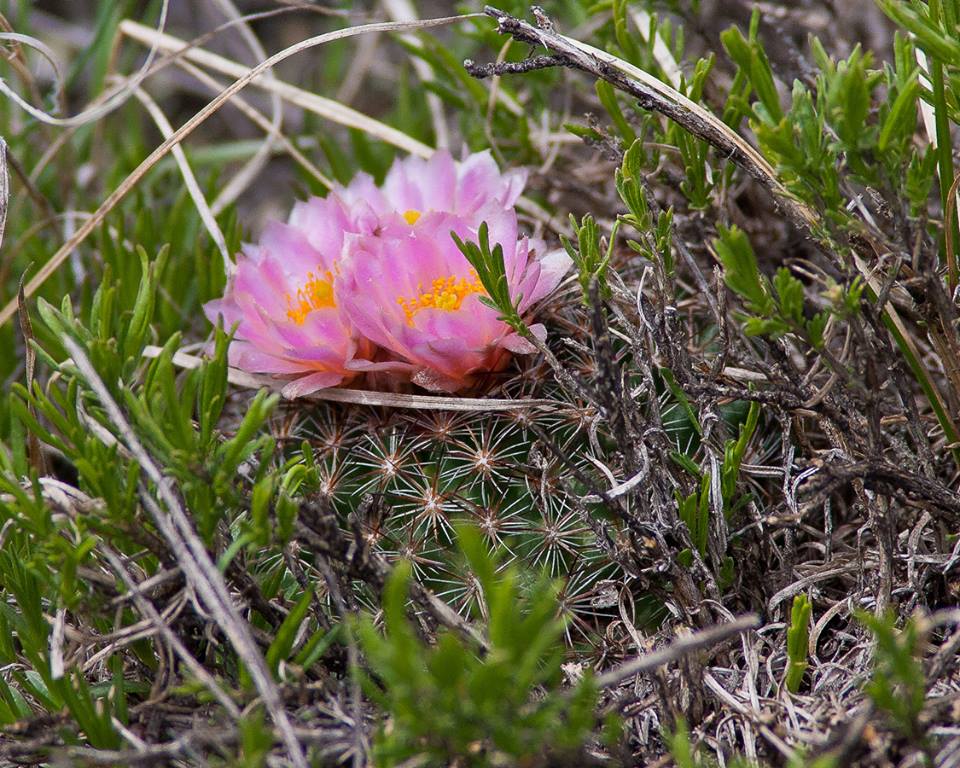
(411, 216)
(447, 293)
(317, 293)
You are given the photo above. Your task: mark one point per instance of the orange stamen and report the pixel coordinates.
(447, 293)
(317, 293)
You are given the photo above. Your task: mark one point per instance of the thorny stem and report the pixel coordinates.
(483, 71)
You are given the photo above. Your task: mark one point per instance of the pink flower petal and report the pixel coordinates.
(363, 190)
(305, 385)
(247, 357)
(324, 221)
(481, 182)
(402, 188)
(439, 182)
(518, 345)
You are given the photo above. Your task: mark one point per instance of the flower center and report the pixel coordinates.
(317, 293)
(447, 294)
(411, 216)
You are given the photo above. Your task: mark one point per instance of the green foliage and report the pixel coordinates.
(687, 754)
(591, 255)
(457, 701)
(656, 234)
(256, 741)
(176, 418)
(177, 422)
(683, 752)
(740, 271)
(733, 453)
(934, 27)
(754, 66)
(839, 136)
(608, 99)
(694, 511)
(776, 307)
(489, 266)
(694, 508)
(898, 685)
(798, 634)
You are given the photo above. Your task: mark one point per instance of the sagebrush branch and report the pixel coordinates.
(652, 95)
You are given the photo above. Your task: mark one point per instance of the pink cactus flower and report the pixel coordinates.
(413, 187)
(416, 296)
(369, 279)
(281, 297)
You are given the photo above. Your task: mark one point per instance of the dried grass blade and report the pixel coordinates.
(4, 189)
(108, 101)
(191, 125)
(193, 187)
(43, 49)
(706, 638)
(324, 107)
(245, 176)
(661, 52)
(951, 247)
(403, 10)
(363, 397)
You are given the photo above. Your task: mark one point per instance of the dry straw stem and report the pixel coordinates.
(928, 116)
(4, 188)
(203, 208)
(108, 101)
(192, 124)
(707, 638)
(657, 96)
(403, 10)
(362, 397)
(328, 109)
(175, 526)
(252, 168)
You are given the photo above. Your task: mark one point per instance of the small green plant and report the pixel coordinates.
(685, 750)
(591, 255)
(798, 634)
(457, 701)
(733, 453)
(490, 268)
(694, 511)
(684, 753)
(655, 241)
(898, 686)
(775, 307)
